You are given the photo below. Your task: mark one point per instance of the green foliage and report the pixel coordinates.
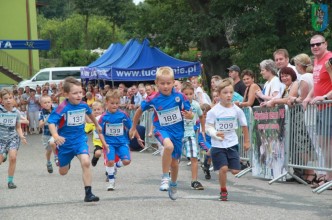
(77, 57)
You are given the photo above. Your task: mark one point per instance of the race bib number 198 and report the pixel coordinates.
(75, 118)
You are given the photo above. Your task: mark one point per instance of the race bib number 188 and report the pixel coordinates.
(169, 116)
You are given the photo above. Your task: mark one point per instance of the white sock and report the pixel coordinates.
(119, 164)
(110, 171)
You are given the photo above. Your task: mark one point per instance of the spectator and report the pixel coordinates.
(96, 94)
(150, 90)
(33, 112)
(234, 73)
(281, 59)
(137, 97)
(89, 99)
(177, 85)
(200, 95)
(215, 81)
(142, 92)
(251, 88)
(322, 90)
(273, 87)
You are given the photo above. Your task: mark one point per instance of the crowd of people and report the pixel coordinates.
(185, 117)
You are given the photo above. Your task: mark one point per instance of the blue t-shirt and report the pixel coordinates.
(70, 120)
(115, 127)
(167, 111)
(43, 116)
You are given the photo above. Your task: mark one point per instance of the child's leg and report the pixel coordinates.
(194, 168)
(174, 170)
(167, 155)
(12, 154)
(86, 171)
(223, 177)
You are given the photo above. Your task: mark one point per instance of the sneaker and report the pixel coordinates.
(91, 198)
(94, 161)
(207, 173)
(111, 187)
(197, 185)
(4, 157)
(49, 167)
(164, 186)
(172, 192)
(223, 196)
(56, 161)
(11, 185)
(189, 163)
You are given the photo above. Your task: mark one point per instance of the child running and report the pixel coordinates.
(115, 124)
(221, 123)
(10, 132)
(189, 141)
(50, 146)
(70, 137)
(169, 109)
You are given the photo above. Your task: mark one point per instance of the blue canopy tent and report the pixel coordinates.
(89, 72)
(139, 62)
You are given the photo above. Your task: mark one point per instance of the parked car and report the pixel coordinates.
(51, 75)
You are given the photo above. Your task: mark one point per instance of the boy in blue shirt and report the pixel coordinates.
(169, 109)
(46, 104)
(115, 124)
(70, 137)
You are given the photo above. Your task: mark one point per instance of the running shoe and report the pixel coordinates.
(223, 196)
(172, 192)
(11, 185)
(197, 185)
(111, 186)
(94, 161)
(4, 157)
(49, 167)
(91, 198)
(164, 184)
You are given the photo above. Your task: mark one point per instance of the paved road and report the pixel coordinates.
(50, 196)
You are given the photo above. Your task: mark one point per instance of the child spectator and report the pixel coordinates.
(169, 109)
(200, 94)
(189, 141)
(70, 137)
(114, 123)
(46, 104)
(221, 123)
(10, 132)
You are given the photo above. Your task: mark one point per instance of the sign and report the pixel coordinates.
(268, 141)
(25, 44)
(319, 17)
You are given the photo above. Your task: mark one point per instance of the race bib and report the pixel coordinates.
(8, 119)
(76, 117)
(169, 116)
(226, 124)
(114, 129)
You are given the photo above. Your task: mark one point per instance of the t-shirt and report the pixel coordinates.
(115, 127)
(95, 137)
(206, 99)
(70, 120)
(167, 111)
(226, 120)
(240, 88)
(43, 116)
(322, 80)
(308, 78)
(190, 123)
(8, 121)
(274, 85)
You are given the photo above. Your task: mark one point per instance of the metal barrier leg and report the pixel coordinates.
(278, 178)
(156, 153)
(322, 188)
(243, 172)
(148, 147)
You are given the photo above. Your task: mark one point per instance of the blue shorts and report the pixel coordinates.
(225, 157)
(176, 140)
(67, 152)
(122, 151)
(324, 122)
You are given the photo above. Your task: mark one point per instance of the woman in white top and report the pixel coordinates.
(273, 87)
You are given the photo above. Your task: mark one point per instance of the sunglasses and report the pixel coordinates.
(316, 44)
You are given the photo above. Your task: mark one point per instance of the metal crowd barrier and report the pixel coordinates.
(150, 142)
(309, 141)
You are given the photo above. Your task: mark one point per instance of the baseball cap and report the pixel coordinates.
(234, 68)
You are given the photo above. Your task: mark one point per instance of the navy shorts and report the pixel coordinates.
(226, 157)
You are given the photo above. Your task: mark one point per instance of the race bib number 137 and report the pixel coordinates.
(75, 118)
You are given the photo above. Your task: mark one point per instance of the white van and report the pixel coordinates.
(51, 75)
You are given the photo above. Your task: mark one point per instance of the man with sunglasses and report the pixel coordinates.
(320, 92)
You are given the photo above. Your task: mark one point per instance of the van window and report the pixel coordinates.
(43, 76)
(62, 74)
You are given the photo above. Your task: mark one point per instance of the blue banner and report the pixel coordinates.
(25, 44)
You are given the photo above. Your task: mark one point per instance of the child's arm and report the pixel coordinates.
(20, 133)
(202, 120)
(210, 130)
(57, 139)
(102, 139)
(133, 131)
(246, 141)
